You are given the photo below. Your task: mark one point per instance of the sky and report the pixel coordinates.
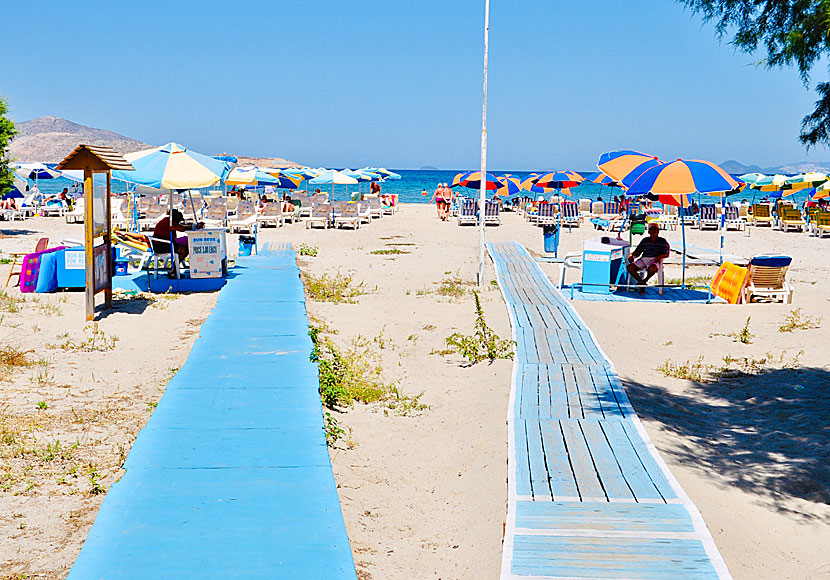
(399, 84)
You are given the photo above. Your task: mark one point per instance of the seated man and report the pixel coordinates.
(163, 231)
(650, 252)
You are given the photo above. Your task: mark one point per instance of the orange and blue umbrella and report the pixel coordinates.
(626, 166)
(509, 186)
(601, 178)
(559, 180)
(529, 184)
(472, 180)
(683, 178)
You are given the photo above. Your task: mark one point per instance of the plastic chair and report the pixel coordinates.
(17, 260)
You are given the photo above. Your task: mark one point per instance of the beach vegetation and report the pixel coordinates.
(306, 250)
(96, 341)
(334, 432)
(743, 335)
(7, 133)
(389, 252)
(400, 244)
(791, 33)
(690, 281)
(339, 288)
(697, 371)
(483, 344)
(42, 405)
(732, 367)
(429, 327)
(797, 320)
(10, 303)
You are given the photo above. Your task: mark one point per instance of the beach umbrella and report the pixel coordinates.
(508, 186)
(332, 177)
(770, 183)
(17, 188)
(805, 180)
(383, 172)
(282, 179)
(252, 176)
(36, 171)
(472, 180)
(675, 182)
(751, 178)
(626, 166)
(172, 166)
(559, 180)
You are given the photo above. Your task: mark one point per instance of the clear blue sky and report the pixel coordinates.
(327, 82)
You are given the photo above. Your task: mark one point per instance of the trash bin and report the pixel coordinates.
(551, 235)
(246, 245)
(602, 260)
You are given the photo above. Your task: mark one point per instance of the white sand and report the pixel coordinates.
(424, 496)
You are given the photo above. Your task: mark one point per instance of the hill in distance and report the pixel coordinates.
(49, 139)
(738, 168)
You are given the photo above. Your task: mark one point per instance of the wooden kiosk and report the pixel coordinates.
(94, 159)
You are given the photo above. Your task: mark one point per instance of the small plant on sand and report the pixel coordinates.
(9, 303)
(690, 281)
(42, 405)
(334, 432)
(337, 288)
(797, 320)
(483, 344)
(306, 250)
(698, 371)
(96, 341)
(452, 287)
(743, 335)
(389, 251)
(94, 487)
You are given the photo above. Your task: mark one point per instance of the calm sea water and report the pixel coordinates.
(413, 181)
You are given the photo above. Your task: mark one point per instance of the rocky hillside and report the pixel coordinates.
(50, 139)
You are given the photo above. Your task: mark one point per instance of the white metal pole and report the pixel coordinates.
(483, 188)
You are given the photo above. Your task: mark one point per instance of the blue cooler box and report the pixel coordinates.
(71, 268)
(602, 260)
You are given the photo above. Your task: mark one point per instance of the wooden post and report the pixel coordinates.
(89, 240)
(108, 243)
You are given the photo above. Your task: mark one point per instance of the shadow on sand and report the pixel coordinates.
(767, 433)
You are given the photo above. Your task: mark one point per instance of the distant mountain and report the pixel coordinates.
(738, 168)
(50, 139)
(429, 168)
(277, 162)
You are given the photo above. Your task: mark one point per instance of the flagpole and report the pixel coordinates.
(483, 187)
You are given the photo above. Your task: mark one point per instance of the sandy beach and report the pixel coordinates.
(423, 492)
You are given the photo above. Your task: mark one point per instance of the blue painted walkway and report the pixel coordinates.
(588, 495)
(231, 476)
(688, 295)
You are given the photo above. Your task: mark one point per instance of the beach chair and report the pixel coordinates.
(585, 206)
(821, 224)
(708, 217)
(597, 208)
(117, 217)
(687, 217)
(231, 204)
(389, 203)
(77, 214)
(492, 212)
(320, 214)
(245, 218)
(320, 198)
(304, 207)
(467, 212)
(271, 214)
(790, 218)
(375, 206)
(546, 214)
(216, 215)
(154, 213)
(743, 212)
(733, 220)
(570, 214)
(348, 216)
(363, 212)
(762, 215)
(767, 279)
(17, 260)
(669, 219)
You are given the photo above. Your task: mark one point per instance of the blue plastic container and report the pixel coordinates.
(246, 245)
(551, 234)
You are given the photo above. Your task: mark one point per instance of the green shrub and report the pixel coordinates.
(483, 344)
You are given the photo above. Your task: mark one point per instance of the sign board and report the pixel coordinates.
(74, 260)
(207, 253)
(101, 266)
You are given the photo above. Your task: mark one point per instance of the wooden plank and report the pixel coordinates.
(521, 466)
(596, 558)
(579, 455)
(560, 472)
(536, 457)
(649, 464)
(638, 478)
(605, 393)
(604, 517)
(558, 396)
(591, 405)
(605, 461)
(530, 392)
(572, 393)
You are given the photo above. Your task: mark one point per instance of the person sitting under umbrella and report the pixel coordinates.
(648, 255)
(164, 229)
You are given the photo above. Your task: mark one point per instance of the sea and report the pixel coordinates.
(414, 181)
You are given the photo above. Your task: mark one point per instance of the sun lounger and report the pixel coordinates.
(598, 208)
(467, 212)
(570, 214)
(271, 214)
(767, 278)
(320, 214)
(669, 219)
(154, 214)
(375, 206)
(546, 214)
(492, 211)
(790, 218)
(347, 216)
(304, 209)
(245, 218)
(364, 212)
(732, 220)
(821, 224)
(762, 215)
(708, 217)
(585, 207)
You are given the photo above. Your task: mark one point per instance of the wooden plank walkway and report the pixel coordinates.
(231, 477)
(588, 495)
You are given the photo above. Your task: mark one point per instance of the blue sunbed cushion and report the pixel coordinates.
(772, 261)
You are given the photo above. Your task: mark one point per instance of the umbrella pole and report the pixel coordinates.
(722, 224)
(483, 148)
(683, 231)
